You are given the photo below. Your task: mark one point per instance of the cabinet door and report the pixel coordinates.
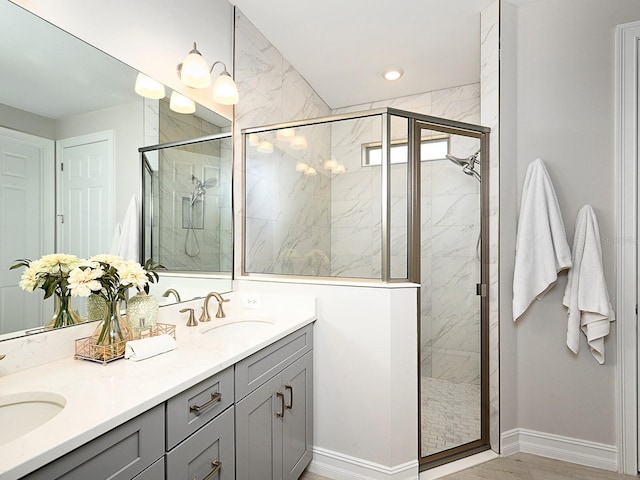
(259, 433)
(207, 454)
(297, 435)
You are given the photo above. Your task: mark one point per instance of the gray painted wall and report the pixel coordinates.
(565, 54)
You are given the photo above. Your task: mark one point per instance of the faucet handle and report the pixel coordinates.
(192, 318)
(2, 356)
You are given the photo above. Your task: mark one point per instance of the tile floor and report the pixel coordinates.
(522, 466)
(450, 414)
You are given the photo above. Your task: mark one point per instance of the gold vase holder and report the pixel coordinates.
(87, 348)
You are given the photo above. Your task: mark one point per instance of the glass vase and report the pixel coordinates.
(63, 314)
(142, 313)
(96, 305)
(112, 333)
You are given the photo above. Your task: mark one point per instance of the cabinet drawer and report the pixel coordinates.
(209, 448)
(192, 409)
(119, 454)
(154, 472)
(253, 371)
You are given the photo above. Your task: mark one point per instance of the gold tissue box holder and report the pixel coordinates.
(88, 349)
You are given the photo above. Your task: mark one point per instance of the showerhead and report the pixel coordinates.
(467, 164)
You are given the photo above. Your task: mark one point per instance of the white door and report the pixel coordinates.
(27, 221)
(85, 210)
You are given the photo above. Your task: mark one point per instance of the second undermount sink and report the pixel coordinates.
(237, 326)
(23, 412)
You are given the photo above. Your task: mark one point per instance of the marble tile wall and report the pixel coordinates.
(450, 208)
(208, 246)
(287, 222)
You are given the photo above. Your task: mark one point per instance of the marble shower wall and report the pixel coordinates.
(450, 225)
(289, 224)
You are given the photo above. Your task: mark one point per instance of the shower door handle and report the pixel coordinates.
(481, 289)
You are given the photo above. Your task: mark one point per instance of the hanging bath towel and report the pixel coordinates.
(130, 233)
(586, 295)
(541, 244)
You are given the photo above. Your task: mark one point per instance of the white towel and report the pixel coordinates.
(541, 244)
(130, 233)
(586, 295)
(149, 347)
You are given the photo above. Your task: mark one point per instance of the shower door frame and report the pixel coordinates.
(414, 188)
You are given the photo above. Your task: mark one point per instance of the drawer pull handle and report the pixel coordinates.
(198, 409)
(281, 412)
(290, 388)
(217, 465)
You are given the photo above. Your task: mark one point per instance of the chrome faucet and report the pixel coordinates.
(169, 292)
(205, 317)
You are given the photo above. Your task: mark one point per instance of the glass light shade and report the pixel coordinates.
(181, 104)
(330, 164)
(311, 172)
(195, 71)
(265, 147)
(286, 134)
(298, 142)
(148, 87)
(225, 91)
(254, 139)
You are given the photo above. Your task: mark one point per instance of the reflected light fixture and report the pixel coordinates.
(195, 72)
(301, 167)
(286, 134)
(148, 87)
(339, 169)
(181, 104)
(392, 74)
(254, 139)
(265, 147)
(298, 142)
(310, 172)
(330, 164)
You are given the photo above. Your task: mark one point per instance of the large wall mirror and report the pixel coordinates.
(70, 129)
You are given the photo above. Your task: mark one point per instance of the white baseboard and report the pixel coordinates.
(338, 466)
(582, 452)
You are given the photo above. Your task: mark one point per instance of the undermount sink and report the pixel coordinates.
(23, 412)
(238, 326)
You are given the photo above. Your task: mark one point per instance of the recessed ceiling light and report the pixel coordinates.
(392, 74)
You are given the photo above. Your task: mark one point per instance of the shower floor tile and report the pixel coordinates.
(450, 414)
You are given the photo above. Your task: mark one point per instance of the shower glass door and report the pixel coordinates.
(453, 377)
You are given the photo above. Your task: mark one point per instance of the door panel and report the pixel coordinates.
(26, 223)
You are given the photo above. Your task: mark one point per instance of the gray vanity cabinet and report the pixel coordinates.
(276, 414)
(119, 454)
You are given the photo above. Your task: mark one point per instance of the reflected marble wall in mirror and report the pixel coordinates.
(64, 101)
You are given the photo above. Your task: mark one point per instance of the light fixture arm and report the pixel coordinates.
(224, 68)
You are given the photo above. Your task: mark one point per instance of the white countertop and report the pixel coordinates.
(101, 397)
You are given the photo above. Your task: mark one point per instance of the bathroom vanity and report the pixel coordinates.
(195, 412)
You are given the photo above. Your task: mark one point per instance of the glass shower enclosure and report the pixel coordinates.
(387, 196)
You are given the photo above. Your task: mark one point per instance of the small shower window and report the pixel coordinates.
(430, 149)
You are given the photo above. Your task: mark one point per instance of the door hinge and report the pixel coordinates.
(61, 217)
(481, 289)
(61, 167)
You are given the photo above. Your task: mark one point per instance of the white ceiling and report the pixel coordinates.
(341, 47)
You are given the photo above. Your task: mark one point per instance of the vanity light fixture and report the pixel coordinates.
(298, 142)
(195, 72)
(148, 87)
(301, 167)
(310, 172)
(392, 74)
(181, 104)
(265, 147)
(339, 169)
(254, 139)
